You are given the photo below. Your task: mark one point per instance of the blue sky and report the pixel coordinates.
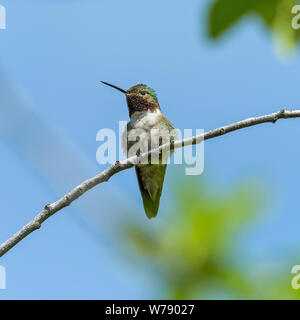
(53, 55)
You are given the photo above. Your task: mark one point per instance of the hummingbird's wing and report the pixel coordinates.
(151, 180)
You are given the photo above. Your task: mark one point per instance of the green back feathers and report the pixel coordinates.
(142, 87)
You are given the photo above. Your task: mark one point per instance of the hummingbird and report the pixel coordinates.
(147, 120)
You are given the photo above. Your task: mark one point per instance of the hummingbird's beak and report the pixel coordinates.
(113, 86)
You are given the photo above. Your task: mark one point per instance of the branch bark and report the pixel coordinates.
(66, 200)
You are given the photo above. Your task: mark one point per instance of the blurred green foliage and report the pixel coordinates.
(276, 16)
(193, 253)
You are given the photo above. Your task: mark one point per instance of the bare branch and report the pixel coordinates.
(71, 196)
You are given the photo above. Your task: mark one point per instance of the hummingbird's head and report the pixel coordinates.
(139, 98)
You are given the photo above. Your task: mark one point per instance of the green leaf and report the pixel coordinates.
(276, 16)
(225, 13)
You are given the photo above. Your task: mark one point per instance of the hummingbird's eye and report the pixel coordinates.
(143, 93)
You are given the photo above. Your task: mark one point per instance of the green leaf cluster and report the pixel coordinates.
(194, 253)
(276, 16)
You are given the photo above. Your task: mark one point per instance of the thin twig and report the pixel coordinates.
(78, 191)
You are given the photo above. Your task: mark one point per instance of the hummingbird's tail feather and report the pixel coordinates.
(151, 179)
